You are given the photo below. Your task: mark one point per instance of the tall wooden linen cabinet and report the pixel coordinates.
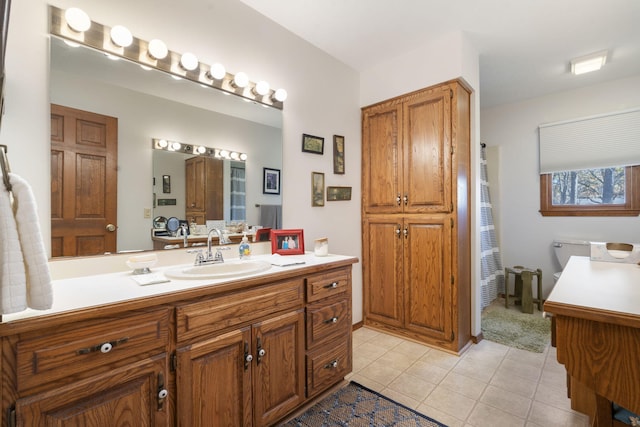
(416, 217)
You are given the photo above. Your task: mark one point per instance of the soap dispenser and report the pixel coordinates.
(245, 249)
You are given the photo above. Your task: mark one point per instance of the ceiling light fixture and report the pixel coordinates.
(77, 19)
(199, 150)
(262, 88)
(217, 71)
(74, 26)
(240, 80)
(121, 36)
(189, 61)
(158, 49)
(588, 63)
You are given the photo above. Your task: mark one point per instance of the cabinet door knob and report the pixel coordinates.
(163, 393)
(406, 199)
(332, 285)
(332, 320)
(398, 199)
(110, 227)
(405, 232)
(332, 365)
(106, 347)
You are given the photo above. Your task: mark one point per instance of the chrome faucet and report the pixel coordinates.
(210, 258)
(185, 234)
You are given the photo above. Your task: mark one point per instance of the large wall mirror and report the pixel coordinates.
(152, 104)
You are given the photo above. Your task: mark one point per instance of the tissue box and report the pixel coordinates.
(615, 252)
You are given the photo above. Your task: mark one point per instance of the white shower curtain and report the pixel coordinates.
(491, 271)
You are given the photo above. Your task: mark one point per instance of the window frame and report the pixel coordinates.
(630, 208)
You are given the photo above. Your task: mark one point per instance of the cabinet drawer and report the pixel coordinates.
(89, 348)
(327, 321)
(225, 311)
(328, 284)
(328, 366)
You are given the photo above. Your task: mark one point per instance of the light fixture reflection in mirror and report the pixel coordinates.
(198, 150)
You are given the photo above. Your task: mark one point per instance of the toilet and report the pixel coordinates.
(565, 249)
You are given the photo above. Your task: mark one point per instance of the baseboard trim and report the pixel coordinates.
(477, 338)
(357, 325)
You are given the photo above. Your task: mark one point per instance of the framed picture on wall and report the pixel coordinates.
(338, 154)
(271, 181)
(312, 144)
(317, 189)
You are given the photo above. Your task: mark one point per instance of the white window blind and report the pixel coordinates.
(591, 142)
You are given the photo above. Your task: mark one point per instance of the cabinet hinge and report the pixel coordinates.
(451, 93)
(452, 150)
(174, 362)
(451, 219)
(11, 416)
(453, 280)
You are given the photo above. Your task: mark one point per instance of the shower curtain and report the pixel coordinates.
(491, 271)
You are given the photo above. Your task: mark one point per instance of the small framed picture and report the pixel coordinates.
(338, 154)
(338, 193)
(312, 144)
(271, 181)
(317, 189)
(287, 242)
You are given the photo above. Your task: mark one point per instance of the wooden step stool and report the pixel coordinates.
(523, 291)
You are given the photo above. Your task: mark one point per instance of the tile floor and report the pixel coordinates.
(490, 385)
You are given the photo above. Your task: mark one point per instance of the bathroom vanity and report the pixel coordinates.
(238, 352)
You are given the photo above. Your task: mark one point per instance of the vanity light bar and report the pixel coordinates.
(197, 150)
(98, 36)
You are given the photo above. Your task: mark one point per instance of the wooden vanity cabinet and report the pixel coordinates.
(245, 365)
(415, 215)
(246, 354)
(110, 371)
(204, 189)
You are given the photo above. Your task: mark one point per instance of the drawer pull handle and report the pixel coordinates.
(104, 347)
(332, 320)
(331, 285)
(162, 392)
(332, 365)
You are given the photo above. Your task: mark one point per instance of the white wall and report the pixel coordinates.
(525, 235)
(323, 99)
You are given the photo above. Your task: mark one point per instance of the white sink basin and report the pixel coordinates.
(218, 271)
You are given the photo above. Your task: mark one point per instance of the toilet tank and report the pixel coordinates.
(565, 249)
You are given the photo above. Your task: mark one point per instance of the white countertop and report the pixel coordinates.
(606, 286)
(94, 290)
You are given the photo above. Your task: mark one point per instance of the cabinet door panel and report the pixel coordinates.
(382, 252)
(279, 375)
(427, 151)
(428, 277)
(381, 159)
(214, 385)
(123, 396)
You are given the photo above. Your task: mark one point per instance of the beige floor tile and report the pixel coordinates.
(371, 351)
(360, 361)
(411, 386)
(485, 415)
(464, 385)
(549, 416)
(367, 382)
(553, 396)
(428, 372)
(450, 402)
(475, 369)
(441, 358)
(398, 360)
(380, 372)
(412, 349)
(528, 357)
(387, 341)
(506, 401)
(509, 383)
(521, 370)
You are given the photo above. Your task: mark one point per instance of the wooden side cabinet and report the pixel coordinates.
(415, 213)
(204, 189)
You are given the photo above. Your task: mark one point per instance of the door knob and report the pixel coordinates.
(111, 227)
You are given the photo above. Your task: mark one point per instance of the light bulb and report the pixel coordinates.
(234, 155)
(201, 150)
(280, 95)
(243, 156)
(224, 154)
(241, 79)
(77, 19)
(163, 143)
(157, 49)
(189, 61)
(121, 36)
(175, 146)
(217, 71)
(262, 88)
